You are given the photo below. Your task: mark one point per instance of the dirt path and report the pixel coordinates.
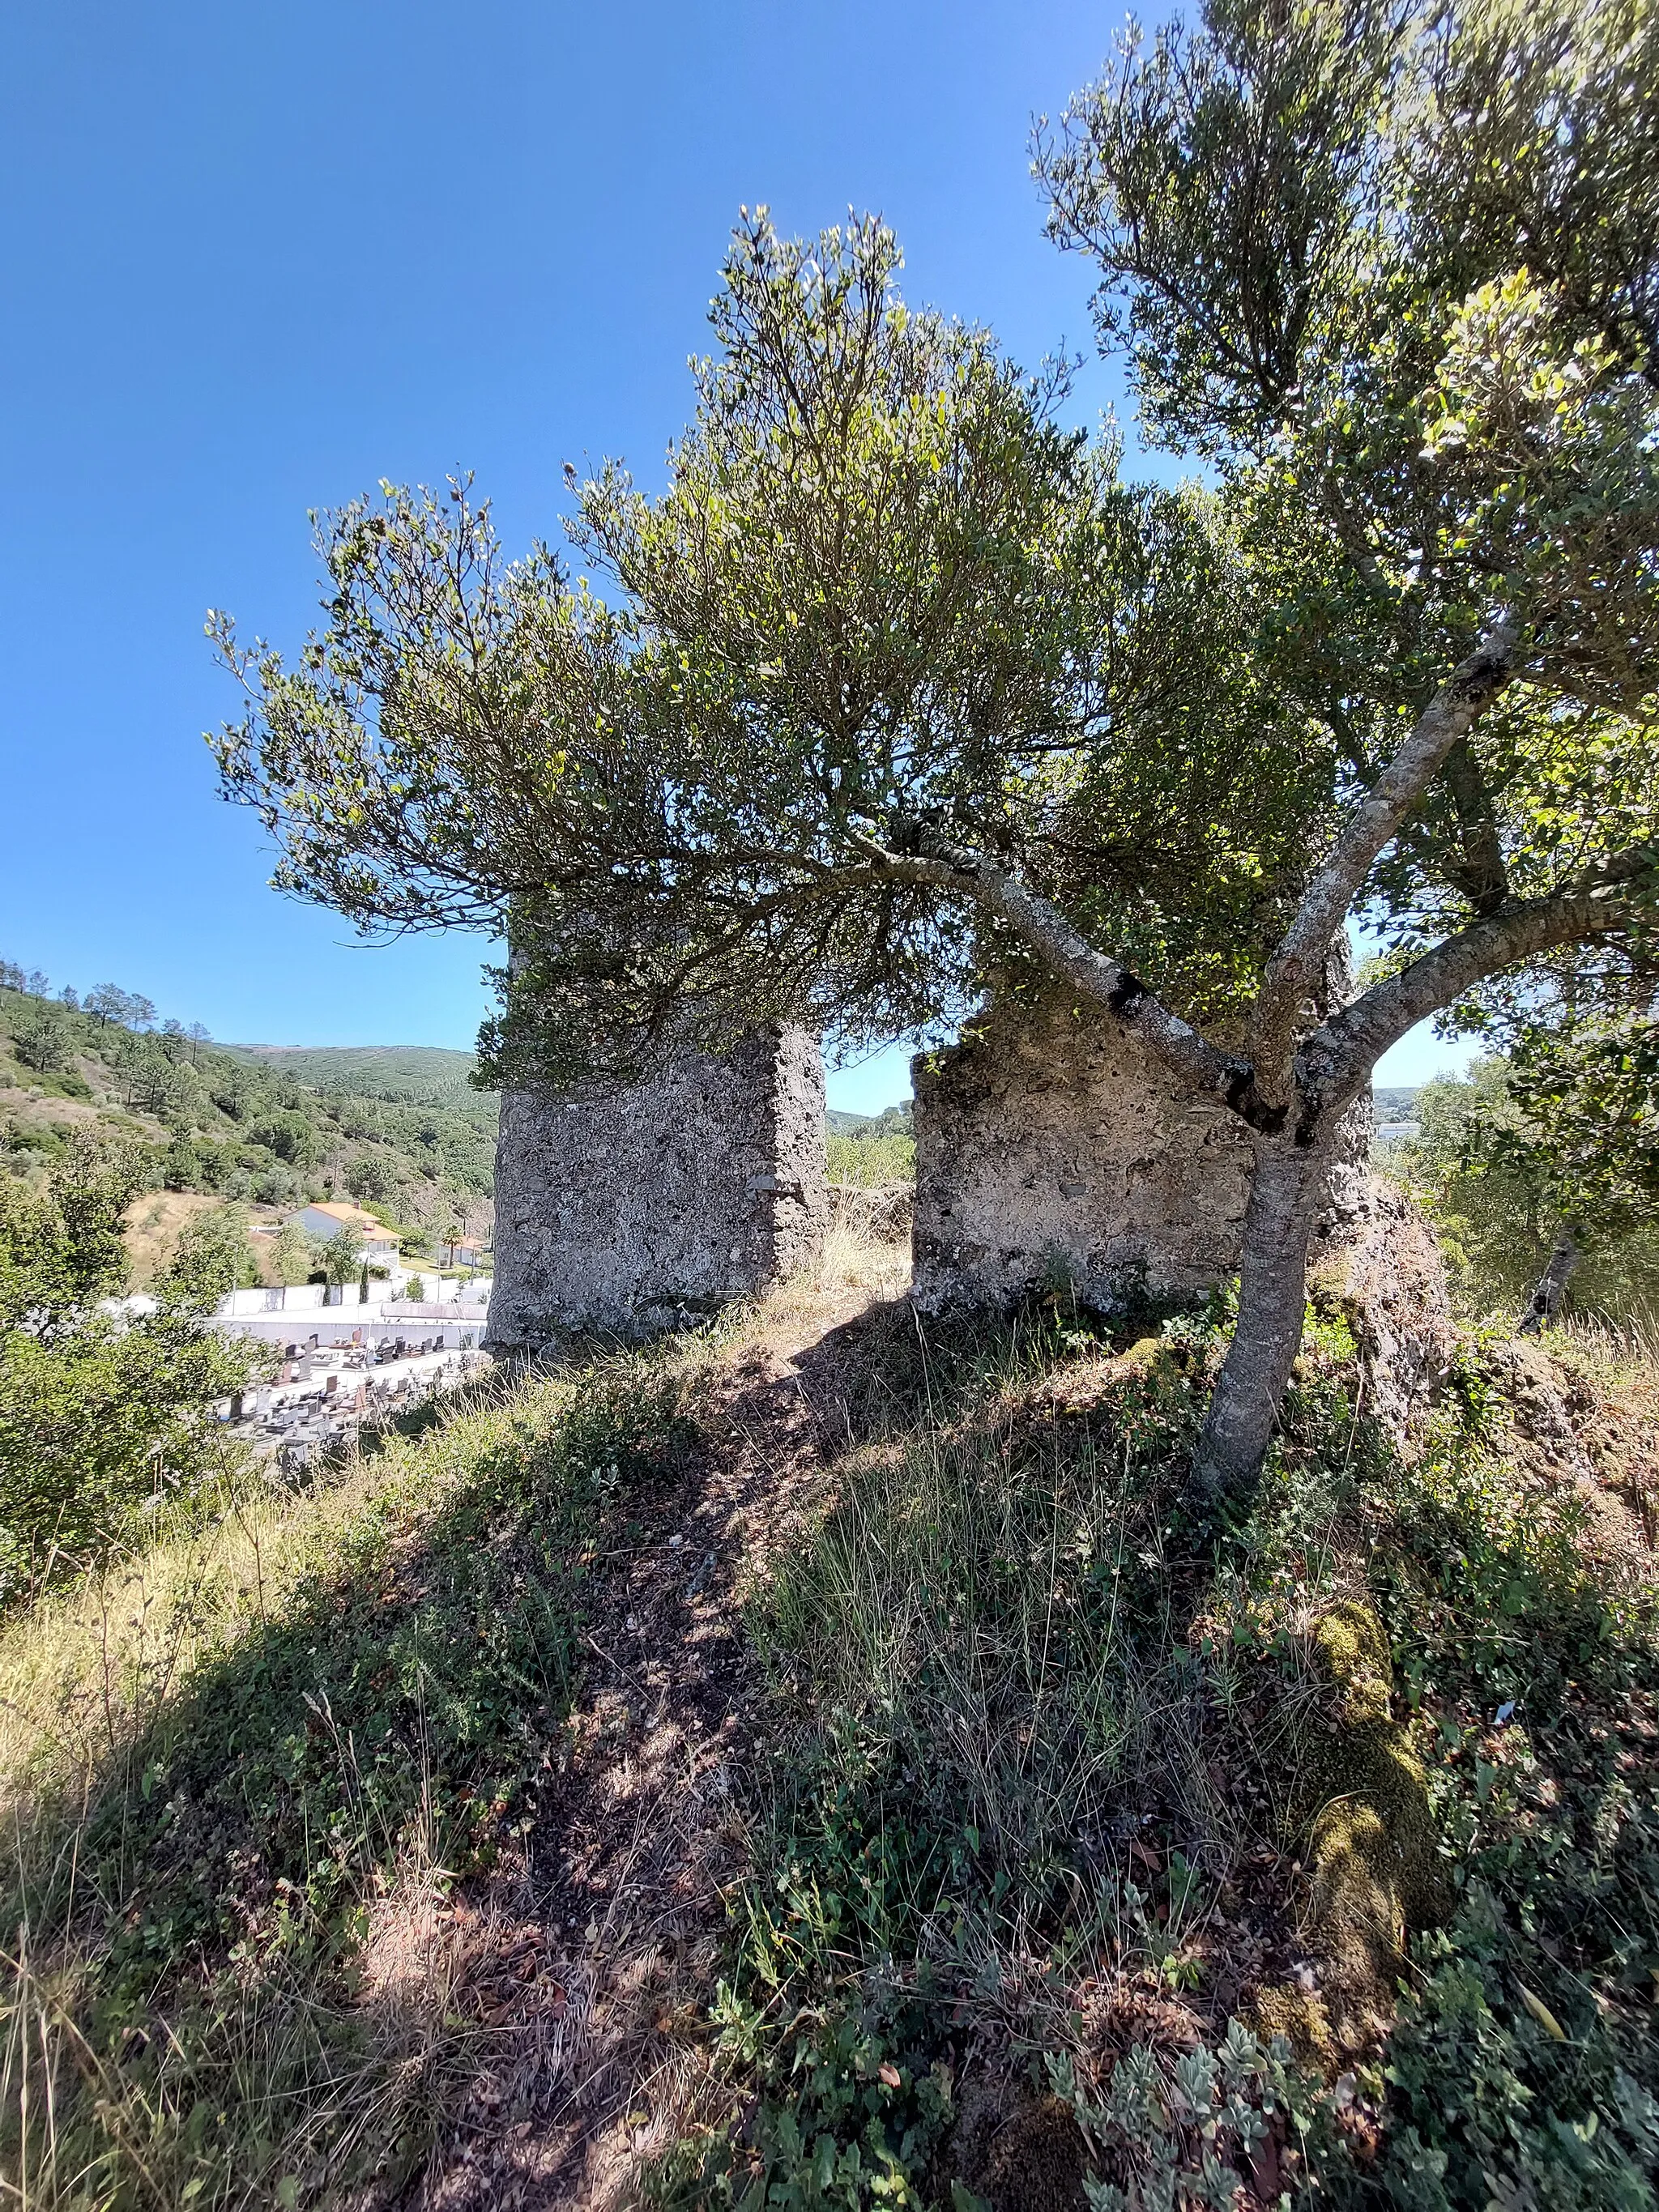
(594, 1956)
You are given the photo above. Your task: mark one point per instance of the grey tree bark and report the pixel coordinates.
(1544, 1307)
(1284, 1202)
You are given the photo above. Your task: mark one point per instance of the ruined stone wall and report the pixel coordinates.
(624, 1211)
(1048, 1145)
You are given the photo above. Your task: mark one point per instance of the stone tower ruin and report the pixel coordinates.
(624, 1211)
(1051, 1147)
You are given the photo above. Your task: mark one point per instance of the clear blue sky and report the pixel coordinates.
(257, 258)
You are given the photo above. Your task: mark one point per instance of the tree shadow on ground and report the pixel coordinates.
(893, 1680)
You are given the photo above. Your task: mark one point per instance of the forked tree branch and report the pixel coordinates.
(1335, 1062)
(1465, 694)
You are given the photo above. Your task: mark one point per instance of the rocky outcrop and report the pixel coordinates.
(627, 1210)
(1384, 1273)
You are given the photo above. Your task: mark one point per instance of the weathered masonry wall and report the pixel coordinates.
(1052, 1148)
(624, 1211)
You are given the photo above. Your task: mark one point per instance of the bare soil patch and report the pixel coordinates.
(594, 1953)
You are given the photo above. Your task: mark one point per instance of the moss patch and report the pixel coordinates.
(1375, 1872)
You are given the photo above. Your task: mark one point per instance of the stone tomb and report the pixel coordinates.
(1053, 1149)
(625, 1211)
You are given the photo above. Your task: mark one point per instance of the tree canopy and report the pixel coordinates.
(885, 597)
(100, 1412)
(1393, 273)
(902, 687)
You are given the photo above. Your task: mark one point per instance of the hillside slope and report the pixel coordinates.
(246, 1125)
(819, 1765)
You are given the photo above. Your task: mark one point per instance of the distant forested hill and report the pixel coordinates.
(401, 1131)
(410, 1075)
(1398, 1104)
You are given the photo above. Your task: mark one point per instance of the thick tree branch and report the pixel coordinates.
(1094, 974)
(1334, 1063)
(1469, 689)
(1481, 874)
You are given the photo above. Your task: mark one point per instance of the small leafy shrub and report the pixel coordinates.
(852, 2102)
(868, 1161)
(1193, 2132)
(1492, 2097)
(102, 1417)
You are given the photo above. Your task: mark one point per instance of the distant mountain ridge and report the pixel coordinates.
(408, 1074)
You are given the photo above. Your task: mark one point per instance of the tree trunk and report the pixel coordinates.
(1272, 1282)
(1545, 1305)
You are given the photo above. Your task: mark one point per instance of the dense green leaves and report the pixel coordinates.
(1561, 1136)
(101, 1412)
(885, 598)
(1393, 270)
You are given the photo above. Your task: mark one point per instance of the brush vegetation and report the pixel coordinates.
(1092, 1854)
(1502, 1197)
(236, 1124)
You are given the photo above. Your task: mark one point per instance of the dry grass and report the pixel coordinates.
(315, 2058)
(153, 1225)
(436, 2012)
(87, 1671)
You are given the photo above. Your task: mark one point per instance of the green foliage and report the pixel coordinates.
(999, 1650)
(1504, 1165)
(1484, 2094)
(1185, 2135)
(1523, 2068)
(371, 1177)
(1392, 271)
(291, 1136)
(102, 1416)
(885, 588)
(1582, 1122)
(212, 1257)
(337, 1257)
(907, 698)
(410, 1075)
(63, 1246)
(977, 1664)
(855, 2105)
(41, 1044)
(872, 1158)
(291, 1253)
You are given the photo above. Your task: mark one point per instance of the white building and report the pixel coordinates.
(376, 1244)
